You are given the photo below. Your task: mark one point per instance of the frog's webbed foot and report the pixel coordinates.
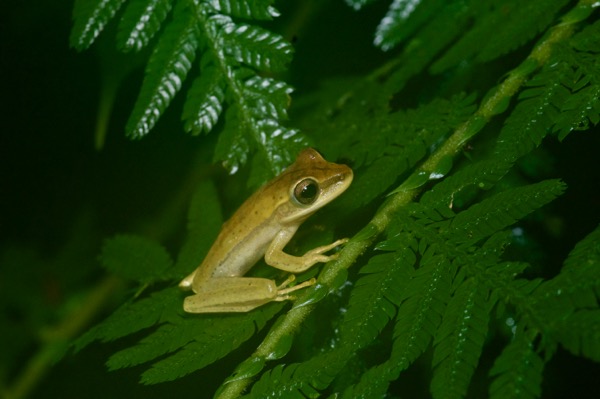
(283, 292)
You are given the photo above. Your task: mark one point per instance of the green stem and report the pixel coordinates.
(492, 105)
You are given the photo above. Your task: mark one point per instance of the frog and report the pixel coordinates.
(261, 227)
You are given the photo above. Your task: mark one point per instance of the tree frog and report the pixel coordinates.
(262, 226)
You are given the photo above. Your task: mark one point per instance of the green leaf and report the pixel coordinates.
(300, 379)
(141, 20)
(134, 316)
(402, 18)
(586, 253)
(249, 9)
(256, 47)
(90, 17)
(481, 175)
(167, 69)
(217, 336)
(375, 297)
(373, 383)
(275, 383)
(135, 258)
(576, 287)
(535, 114)
(501, 23)
(204, 101)
(167, 338)
(517, 371)
(580, 333)
(502, 210)
(420, 314)
(459, 340)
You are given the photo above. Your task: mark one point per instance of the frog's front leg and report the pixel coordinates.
(274, 256)
(239, 294)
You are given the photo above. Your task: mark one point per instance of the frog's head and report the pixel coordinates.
(311, 183)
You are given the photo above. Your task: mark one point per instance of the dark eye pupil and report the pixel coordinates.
(306, 191)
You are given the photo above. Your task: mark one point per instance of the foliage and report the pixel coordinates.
(233, 56)
(464, 265)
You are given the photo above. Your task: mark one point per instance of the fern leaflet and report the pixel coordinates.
(134, 316)
(141, 20)
(248, 9)
(502, 24)
(502, 210)
(301, 378)
(517, 371)
(167, 69)
(420, 313)
(204, 101)
(220, 336)
(579, 333)
(256, 47)
(459, 340)
(373, 383)
(90, 17)
(400, 22)
(375, 296)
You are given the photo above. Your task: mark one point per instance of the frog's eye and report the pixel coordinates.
(306, 192)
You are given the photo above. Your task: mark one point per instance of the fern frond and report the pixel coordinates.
(582, 108)
(427, 43)
(400, 22)
(498, 28)
(141, 20)
(573, 292)
(274, 137)
(403, 139)
(134, 316)
(420, 313)
(580, 333)
(168, 338)
(168, 66)
(501, 210)
(534, 115)
(256, 105)
(204, 101)
(217, 337)
(135, 258)
(482, 175)
(256, 47)
(248, 9)
(517, 371)
(373, 383)
(90, 17)
(279, 379)
(585, 253)
(267, 98)
(375, 296)
(300, 379)
(562, 98)
(459, 340)
(251, 122)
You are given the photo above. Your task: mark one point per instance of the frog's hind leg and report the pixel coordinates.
(239, 294)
